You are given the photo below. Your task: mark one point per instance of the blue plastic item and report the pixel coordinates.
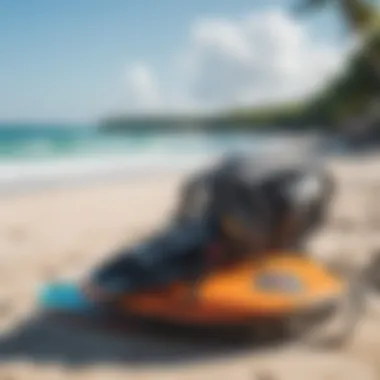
(64, 297)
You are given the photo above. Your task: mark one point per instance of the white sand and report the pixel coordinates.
(63, 232)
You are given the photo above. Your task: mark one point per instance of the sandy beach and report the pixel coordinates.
(56, 233)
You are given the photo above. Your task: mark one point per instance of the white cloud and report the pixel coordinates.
(142, 87)
(257, 58)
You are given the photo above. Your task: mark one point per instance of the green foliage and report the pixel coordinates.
(290, 115)
(353, 92)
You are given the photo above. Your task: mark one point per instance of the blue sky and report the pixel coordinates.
(69, 59)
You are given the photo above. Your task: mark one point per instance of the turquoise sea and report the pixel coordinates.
(42, 153)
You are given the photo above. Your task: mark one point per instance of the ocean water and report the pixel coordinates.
(42, 154)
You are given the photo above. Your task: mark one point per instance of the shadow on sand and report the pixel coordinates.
(48, 339)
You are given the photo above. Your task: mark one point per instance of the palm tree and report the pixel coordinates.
(363, 19)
